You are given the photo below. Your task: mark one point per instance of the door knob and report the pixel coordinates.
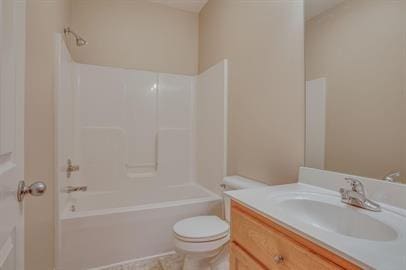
(36, 189)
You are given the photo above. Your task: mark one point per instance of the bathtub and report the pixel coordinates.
(104, 228)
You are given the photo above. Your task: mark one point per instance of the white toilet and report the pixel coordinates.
(203, 239)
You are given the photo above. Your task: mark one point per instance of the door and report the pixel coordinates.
(12, 39)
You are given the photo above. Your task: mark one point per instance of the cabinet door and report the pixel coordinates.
(240, 260)
(267, 245)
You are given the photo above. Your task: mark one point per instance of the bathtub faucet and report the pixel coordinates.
(70, 189)
(71, 168)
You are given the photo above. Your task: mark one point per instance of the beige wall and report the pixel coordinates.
(136, 34)
(359, 47)
(263, 41)
(43, 19)
(266, 81)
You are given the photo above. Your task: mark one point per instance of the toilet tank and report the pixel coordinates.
(235, 183)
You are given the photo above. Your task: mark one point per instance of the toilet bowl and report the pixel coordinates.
(203, 239)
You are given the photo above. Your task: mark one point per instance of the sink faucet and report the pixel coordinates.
(70, 189)
(356, 196)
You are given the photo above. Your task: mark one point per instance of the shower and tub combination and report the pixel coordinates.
(137, 151)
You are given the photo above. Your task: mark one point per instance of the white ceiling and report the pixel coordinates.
(186, 5)
(316, 7)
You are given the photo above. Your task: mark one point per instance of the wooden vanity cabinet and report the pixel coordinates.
(260, 244)
(241, 260)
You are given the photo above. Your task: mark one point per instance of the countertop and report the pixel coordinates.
(382, 255)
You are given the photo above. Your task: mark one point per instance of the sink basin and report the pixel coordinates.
(340, 219)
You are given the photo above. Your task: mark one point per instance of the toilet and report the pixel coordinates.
(203, 239)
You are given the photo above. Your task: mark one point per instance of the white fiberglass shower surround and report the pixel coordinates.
(150, 149)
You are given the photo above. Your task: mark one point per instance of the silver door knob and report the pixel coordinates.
(36, 189)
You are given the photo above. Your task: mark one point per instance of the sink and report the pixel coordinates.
(344, 220)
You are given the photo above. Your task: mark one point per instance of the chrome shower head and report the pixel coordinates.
(79, 40)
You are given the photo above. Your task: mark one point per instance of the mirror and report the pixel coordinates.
(355, 57)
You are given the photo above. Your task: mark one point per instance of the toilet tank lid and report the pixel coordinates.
(239, 182)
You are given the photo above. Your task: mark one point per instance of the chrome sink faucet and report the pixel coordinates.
(356, 196)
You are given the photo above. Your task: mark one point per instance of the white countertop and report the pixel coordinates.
(381, 255)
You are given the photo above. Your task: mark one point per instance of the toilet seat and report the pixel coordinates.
(201, 229)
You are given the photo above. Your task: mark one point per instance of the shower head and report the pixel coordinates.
(79, 40)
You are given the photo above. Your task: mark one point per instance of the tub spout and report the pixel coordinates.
(70, 189)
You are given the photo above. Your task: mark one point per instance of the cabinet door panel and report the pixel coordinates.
(240, 260)
(267, 245)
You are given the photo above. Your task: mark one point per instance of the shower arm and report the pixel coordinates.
(79, 40)
(68, 31)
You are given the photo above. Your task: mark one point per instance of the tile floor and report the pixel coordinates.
(169, 262)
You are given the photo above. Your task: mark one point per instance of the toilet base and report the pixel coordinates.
(191, 263)
(216, 260)
(221, 261)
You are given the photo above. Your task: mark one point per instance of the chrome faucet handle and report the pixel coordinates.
(392, 177)
(356, 185)
(71, 168)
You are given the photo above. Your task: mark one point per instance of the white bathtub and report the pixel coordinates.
(112, 227)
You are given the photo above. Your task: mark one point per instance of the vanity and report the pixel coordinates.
(259, 243)
(306, 226)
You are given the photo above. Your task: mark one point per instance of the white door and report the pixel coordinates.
(12, 40)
